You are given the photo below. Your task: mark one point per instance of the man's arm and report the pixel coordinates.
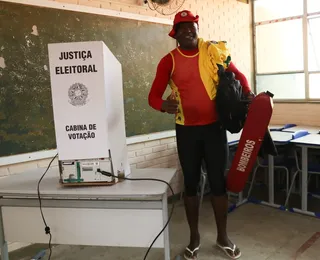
(241, 77)
(160, 82)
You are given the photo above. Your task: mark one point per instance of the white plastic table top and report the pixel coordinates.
(275, 127)
(277, 136)
(310, 129)
(25, 185)
(310, 140)
(281, 137)
(233, 138)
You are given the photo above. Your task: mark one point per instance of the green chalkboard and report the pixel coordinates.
(26, 116)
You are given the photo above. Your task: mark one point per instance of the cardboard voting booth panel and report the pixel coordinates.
(87, 99)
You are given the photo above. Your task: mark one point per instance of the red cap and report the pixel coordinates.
(183, 16)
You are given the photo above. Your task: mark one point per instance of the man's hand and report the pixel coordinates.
(170, 106)
(250, 96)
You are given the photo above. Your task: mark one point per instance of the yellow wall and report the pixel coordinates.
(297, 113)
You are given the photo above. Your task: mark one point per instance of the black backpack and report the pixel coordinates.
(232, 107)
(231, 104)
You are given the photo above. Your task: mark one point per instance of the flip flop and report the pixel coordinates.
(226, 248)
(192, 257)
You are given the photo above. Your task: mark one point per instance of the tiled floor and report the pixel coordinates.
(262, 233)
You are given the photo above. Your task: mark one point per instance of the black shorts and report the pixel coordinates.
(198, 144)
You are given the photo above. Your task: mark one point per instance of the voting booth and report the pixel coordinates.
(88, 109)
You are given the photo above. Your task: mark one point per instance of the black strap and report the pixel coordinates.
(220, 69)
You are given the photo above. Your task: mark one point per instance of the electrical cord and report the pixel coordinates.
(108, 174)
(47, 228)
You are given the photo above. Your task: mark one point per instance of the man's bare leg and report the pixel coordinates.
(220, 207)
(192, 211)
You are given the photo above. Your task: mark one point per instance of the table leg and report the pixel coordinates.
(240, 197)
(271, 177)
(166, 231)
(304, 179)
(3, 243)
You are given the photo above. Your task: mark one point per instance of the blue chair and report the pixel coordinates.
(313, 168)
(299, 134)
(286, 126)
(39, 256)
(280, 162)
(203, 182)
(282, 128)
(263, 163)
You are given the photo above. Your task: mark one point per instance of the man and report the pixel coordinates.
(199, 134)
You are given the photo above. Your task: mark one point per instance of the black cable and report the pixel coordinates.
(108, 174)
(47, 228)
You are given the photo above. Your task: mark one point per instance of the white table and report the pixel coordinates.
(306, 142)
(310, 129)
(128, 214)
(233, 139)
(275, 127)
(279, 138)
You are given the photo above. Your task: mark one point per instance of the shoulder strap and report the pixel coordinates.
(220, 69)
